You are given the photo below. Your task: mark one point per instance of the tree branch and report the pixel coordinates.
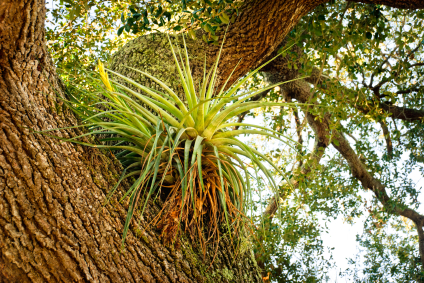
(416, 65)
(400, 4)
(299, 135)
(409, 90)
(386, 134)
(396, 112)
(403, 113)
(360, 172)
(358, 168)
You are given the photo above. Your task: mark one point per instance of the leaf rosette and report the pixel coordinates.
(184, 150)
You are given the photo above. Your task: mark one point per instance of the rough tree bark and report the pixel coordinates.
(53, 226)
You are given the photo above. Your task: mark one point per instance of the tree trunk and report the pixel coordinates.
(53, 226)
(257, 32)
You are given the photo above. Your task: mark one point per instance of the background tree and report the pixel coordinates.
(61, 247)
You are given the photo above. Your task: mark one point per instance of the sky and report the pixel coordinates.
(342, 236)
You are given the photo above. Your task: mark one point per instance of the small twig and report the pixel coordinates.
(299, 135)
(381, 66)
(350, 135)
(409, 90)
(387, 138)
(416, 65)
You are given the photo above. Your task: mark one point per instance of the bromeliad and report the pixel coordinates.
(186, 148)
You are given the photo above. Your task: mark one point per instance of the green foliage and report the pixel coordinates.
(391, 253)
(79, 32)
(180, 15)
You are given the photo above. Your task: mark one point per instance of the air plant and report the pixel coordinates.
(186, 147)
